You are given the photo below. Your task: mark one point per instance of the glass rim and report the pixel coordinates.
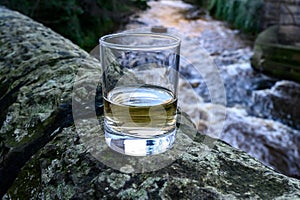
(174, 43)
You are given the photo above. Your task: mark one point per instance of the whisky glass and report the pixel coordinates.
(139, 87)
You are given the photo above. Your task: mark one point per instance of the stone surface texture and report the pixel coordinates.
(37, 70)
(42, 155)
(285, 12)
(274, 57)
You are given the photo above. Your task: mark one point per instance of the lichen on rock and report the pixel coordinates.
(221, 173)
(38, 68)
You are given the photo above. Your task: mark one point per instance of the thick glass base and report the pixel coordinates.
(136, 146)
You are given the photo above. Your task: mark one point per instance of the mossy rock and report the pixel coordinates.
(37, 72)
(274, 58)
(64, 169)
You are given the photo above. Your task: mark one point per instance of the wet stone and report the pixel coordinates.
(276, 57)
(279, 103)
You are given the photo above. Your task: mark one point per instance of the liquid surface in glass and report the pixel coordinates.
(143, 111)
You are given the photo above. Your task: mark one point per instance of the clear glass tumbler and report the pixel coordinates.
(140, 79)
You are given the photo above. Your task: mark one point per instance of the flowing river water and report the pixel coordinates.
(246, 120)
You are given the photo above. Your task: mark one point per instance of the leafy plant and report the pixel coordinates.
(243, 14)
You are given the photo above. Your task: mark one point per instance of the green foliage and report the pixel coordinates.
(82, 21)
(243, 14)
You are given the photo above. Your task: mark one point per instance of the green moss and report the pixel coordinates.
(28, 180)
(276, 59)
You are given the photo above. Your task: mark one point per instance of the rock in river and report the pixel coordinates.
(281, 103)
(44, 157)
